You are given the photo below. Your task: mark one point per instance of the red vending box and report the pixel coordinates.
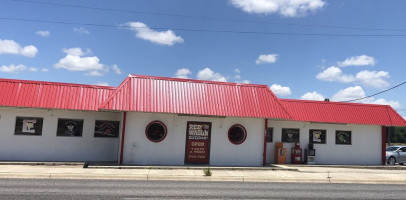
(296, 154)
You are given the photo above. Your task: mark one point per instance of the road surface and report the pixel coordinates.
(115, 189)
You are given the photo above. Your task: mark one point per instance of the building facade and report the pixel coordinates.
(166, 121)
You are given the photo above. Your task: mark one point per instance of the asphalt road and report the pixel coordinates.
(114, 189)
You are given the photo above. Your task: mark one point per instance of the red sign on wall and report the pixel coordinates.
(198, 142)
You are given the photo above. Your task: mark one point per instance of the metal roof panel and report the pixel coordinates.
(195, 97)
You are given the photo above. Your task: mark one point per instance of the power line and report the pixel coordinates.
(376, 93)
(208, 30)
(206, 18)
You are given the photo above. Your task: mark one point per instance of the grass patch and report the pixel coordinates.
(207, 172)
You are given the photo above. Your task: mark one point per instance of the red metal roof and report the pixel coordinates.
(38, 94)
(336, 112)
(190, 97)
(195, 97)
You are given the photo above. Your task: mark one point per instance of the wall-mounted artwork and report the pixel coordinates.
(343, 137)
(317, 136)
(28, 126)
(70, 127)
(290, 135)
(106, 128)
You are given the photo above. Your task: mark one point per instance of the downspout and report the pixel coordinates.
(264, 154)
(383, 145)
(122, 138)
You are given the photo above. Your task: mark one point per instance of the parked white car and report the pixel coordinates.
(396, 154)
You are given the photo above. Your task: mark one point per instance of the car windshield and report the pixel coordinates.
(392, 148)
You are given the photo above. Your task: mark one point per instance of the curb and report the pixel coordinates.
(383, 167)
(144, 177)
(44, 163)
(196, 168)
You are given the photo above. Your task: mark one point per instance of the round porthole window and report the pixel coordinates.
(156, 131)
(237, 134)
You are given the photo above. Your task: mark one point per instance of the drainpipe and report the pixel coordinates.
(264, 154)
(384, 145)
(122, 138)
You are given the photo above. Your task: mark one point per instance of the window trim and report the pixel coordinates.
(245, 134)
(156, 122)
(25, 117)
(311, 136)
(338, 131)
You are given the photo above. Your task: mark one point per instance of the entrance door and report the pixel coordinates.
(197, 143)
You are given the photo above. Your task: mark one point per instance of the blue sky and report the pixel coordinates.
(101, 42)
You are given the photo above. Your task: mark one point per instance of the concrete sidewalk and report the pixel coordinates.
(278, 173)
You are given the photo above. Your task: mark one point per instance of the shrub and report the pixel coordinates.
(207, 171)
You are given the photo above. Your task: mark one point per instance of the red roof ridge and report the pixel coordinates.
(55, 83)
(118, 89)
(335, 102)
(278, 101)
(196, 81)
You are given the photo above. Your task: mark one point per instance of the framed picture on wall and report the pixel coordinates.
(343, 137)
(269, 134)
(70, 127)
(290, 135)
(28, 126)
(108, 129)
(317, 136)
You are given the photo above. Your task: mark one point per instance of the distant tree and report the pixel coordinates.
(396, 135)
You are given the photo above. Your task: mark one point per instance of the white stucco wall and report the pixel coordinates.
(49, 147)
(138, 150)
(364, 150)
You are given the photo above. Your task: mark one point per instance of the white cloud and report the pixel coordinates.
(238, 77)
(266, 58)
(81, 30)
(349, 93)
(313, 96)
(362, 60)
(357, 92)
(393, 104)
(12, 47)
(280, 90)
(236, 70)
(43, 33)
(76, 51)
(286, 8)
(335, 74)
(76, 60)
(183, 73)
(102, 84)
(208, 74)
(116, 69)
(376, 79)
(15, 69)
(246, 81)
(373, 78)
(44, 70)
(94, 73)
(77, 63)
(142, 31)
